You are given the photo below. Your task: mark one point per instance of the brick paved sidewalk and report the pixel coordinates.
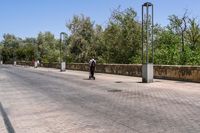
(48, 101)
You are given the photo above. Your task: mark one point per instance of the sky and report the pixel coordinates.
(26, 18)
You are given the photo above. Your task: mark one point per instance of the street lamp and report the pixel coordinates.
(62, 63)
(14, 56)
(1, 61)
(147, 42)
(35, 54)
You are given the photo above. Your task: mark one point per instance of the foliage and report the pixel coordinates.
(117, 42)
(123, 37)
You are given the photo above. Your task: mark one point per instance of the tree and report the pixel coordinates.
(193, 34)
(167, 48)
(123, 37)
(82, 31)
(48, 50)
(98, 47)
(10, 43)
(179, 26)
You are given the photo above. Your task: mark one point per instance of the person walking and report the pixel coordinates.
(92, 65)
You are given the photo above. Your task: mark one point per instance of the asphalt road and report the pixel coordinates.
(48, 101)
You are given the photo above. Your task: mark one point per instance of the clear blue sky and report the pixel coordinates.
(26, 18)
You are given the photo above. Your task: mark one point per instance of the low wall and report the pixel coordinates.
(120, 69)
(25, 63)
(29, 63)
(181, 73)
(50, 65)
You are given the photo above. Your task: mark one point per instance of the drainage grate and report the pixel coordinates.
(114, 90)
(118, 82)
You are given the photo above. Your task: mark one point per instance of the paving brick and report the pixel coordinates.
(47, 101)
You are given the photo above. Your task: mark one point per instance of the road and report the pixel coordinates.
(47, 101)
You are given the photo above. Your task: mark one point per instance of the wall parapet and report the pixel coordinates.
(172, 72)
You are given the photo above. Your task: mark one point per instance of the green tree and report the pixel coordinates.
(82, 31)
(123, 37)
(193, 34)
(10, 45)
(167, 48)
(48, 50)
(178, 25)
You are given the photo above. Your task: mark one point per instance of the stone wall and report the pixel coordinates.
(120, 69)
(29, 63)
(50, 65)
(182, 73)
(25, 63)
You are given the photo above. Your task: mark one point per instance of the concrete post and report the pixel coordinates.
(14, 63)
(63, 67)
(35, 64)
(147, 73)
(1, 62)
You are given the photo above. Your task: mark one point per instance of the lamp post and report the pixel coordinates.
(1, 61)
(35, 54)
(147, 42)
(14, 56)
(62, 63)
(15, 48)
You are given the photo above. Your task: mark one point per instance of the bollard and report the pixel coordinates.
(1, 62)
(35, 64)
(63, 67)
(15, 63)
(147, 73)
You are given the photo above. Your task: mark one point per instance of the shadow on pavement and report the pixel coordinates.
(7, 122)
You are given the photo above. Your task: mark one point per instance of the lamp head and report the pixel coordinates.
(147, 4)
